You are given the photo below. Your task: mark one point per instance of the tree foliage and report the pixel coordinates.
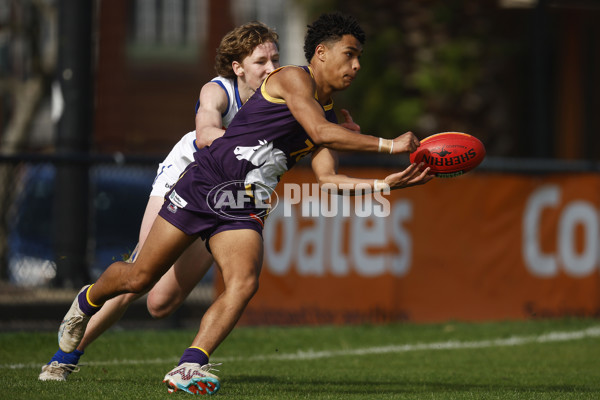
(433, 66)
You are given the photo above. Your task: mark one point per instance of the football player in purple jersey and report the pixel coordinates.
(245, 56)
(289, 117)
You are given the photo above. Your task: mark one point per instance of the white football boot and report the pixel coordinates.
(192, 378)
(56, 371)
(73, 326)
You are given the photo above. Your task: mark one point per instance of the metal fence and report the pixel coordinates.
(34, 290)
(32, 286)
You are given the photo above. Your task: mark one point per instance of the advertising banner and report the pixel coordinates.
(483, 246)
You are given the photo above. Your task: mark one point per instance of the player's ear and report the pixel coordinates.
(238, 69)
(320, 52)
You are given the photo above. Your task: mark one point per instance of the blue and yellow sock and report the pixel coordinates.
(86, 305)
(194, 355)
(67, 358)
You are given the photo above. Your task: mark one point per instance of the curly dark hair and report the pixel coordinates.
(239, 44)
(330, 27)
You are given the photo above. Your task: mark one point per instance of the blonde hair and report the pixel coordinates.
(239, 44)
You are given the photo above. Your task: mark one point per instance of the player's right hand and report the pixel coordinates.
(406, 143)
(349, 122)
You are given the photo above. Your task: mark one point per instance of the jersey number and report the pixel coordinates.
(301, 153)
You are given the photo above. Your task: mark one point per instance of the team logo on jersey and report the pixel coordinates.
(270, 163)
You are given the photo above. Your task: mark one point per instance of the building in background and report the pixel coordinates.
(155, 55)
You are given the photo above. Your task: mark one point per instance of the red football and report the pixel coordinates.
(449, 154)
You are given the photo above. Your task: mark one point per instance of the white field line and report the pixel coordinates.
(551, 337)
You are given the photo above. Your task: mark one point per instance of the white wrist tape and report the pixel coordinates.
(385, 145)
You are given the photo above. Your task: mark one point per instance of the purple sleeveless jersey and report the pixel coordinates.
(226, 186)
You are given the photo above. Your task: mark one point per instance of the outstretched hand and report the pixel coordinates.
(348, 122)
(411, 176)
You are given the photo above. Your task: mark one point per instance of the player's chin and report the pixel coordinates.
(346, 82)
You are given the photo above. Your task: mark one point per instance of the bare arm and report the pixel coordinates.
(297, 88)
(209, 125)
(325, 164)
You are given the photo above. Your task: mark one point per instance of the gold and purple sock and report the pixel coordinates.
(85, 304)
(195, 355)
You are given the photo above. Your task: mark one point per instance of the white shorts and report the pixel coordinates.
(178, 159)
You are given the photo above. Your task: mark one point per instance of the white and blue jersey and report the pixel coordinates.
(183, 152)
(234, 103)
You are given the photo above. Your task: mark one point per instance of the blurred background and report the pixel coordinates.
(93, 94)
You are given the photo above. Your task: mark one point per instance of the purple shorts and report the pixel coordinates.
(198, 207)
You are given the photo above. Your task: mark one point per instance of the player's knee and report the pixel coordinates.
(158, 312)
(158, 309)
(246, 287)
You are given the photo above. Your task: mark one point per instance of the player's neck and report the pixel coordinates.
(245, 93)
(324, 90)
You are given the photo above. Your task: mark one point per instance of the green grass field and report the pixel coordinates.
(556, 359)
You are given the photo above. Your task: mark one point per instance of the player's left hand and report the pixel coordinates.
(414, 175)
(348, 122)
